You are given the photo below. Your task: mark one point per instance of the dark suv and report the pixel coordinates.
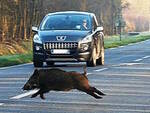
(68, 36)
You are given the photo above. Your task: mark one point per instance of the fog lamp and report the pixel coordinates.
(37, 48)
(84, 47)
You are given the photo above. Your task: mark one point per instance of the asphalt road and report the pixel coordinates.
(125, 79)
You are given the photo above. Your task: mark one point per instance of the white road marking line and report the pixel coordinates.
(15, 82)
(89, 73)
(135, 68)
(121, 106)
(11, 79)
(126, 64)
(121, 46)
(130, 64)
(146, 57)
(9, 87)
(140, 59)
(131, 44)
(25, 94)
(117, 108)
(91, 103)
(98, 70)
(1, 104)
(15, 66)
(121, 85)
(130, 75)
(108, 109)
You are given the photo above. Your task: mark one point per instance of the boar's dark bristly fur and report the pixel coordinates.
(59, 80)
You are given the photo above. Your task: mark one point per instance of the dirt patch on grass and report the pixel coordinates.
(13, 47)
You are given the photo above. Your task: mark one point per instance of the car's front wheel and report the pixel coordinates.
(92, 61)
(100, 61)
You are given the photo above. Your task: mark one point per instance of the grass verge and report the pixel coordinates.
(10, 60)
(114, 41)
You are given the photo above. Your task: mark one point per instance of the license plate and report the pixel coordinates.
(60, 51)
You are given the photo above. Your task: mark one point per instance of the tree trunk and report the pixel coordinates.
(83, 5)
(25, 20)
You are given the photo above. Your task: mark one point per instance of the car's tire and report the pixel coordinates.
(92, 61)
(37, 63)
(50, 63)
(101, 60)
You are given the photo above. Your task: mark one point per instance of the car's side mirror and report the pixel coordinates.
(35, 29)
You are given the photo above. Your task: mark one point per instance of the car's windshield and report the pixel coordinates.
(66, 22)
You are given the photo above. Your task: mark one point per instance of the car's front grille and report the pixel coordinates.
(60, 45)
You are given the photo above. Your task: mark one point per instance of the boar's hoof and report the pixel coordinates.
(42, 96)
(100, 93)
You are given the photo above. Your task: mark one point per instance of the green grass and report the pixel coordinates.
(114, 41)
(10, 60)
(110, 42)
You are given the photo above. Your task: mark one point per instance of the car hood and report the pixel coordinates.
(70, 35)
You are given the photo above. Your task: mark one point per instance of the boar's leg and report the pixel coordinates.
(40, 92)
(89, 91)
(96, 91)
(42, 96)
(93, 94)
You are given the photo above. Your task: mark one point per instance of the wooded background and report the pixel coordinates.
(137, 15)
(18, 16)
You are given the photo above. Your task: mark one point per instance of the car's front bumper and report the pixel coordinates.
(81, 57)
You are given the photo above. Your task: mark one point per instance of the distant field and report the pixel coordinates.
(19, 53)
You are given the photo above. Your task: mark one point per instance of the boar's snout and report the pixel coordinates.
(27, 87)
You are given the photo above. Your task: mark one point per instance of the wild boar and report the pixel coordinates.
(59, 80)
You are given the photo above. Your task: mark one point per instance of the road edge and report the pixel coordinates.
(19, 65)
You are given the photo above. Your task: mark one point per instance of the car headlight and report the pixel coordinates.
(87, 39)
(37, 48)
(36, 39)
(85, 43)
